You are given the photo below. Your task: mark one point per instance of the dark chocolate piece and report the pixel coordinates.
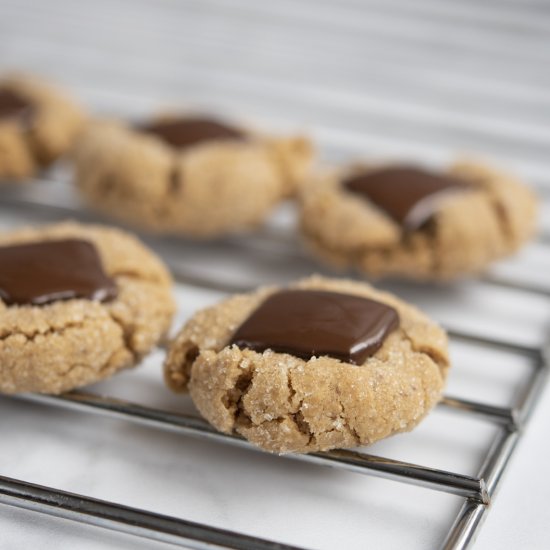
(13, 105)
(409, 195)
(308, 323)
(39, 273)
(184, 132)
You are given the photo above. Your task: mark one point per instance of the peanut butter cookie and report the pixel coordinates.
(409, 222)
(192, 175)
(322, 364)
(38, 123)
(77, 303)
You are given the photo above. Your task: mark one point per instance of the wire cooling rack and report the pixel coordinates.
(418, 80)
(477, 491)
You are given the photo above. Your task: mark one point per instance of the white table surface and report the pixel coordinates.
(425, 81)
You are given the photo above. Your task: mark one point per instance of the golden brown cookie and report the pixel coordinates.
(409, 222)
(77, 303)
(38, 124)
(323, 364)
(191, 175)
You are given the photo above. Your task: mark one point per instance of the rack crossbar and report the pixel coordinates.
(125, 519)
(358, 462)
(502, 415)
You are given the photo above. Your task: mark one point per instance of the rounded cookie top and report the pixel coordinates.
(406, 221)
(322, 364)
(190, 175)
(77, 303)
(38, 123)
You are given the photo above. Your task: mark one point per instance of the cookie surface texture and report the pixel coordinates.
(206, 182)
(480, 215)
(65, 329)
(285, 403)
(38, 124)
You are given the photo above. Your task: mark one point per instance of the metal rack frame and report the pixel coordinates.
(477, 492)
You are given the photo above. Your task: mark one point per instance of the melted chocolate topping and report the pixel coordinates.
(411, 196)
(308, 323)
(39, 273)
(185, 132)
(13, 105)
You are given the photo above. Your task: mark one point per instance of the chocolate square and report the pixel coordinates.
(39, 273)
(13, 105)
(308, 323)
(410, 195)
(188, 131)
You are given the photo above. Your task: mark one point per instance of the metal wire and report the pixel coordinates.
(357, 462)
(125, 519)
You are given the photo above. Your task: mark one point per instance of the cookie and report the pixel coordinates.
(77, 303)
(38, 124)
(322, 364)
(192, 175)
(410, 222)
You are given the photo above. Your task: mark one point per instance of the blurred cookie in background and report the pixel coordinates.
(192, 175)
(411, 222)
(38, 124)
